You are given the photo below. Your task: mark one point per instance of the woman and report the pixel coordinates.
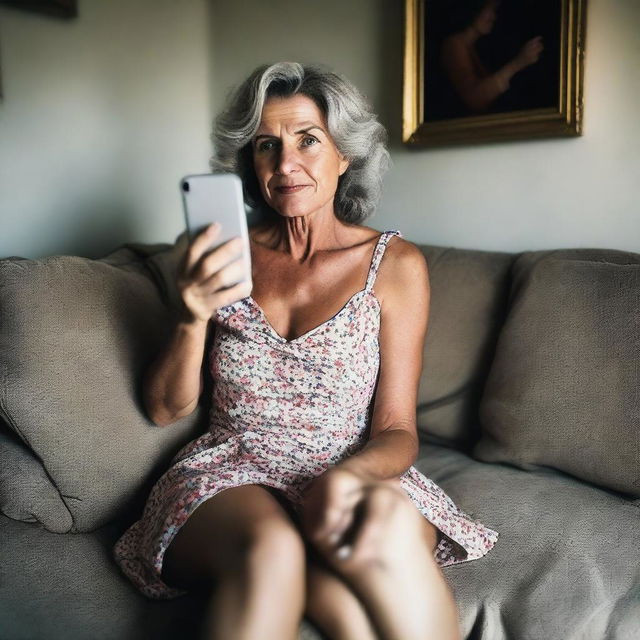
(301, 498)
(476, 86)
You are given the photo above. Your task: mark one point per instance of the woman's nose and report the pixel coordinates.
(287, 160)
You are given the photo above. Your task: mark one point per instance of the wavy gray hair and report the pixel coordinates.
(352, 125)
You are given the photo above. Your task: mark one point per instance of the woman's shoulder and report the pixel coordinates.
(403, 265)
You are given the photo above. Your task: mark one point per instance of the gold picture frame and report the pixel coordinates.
(56, 8)
(432, 119)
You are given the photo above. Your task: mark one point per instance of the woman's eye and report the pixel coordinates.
(266, 145)
(309, 141)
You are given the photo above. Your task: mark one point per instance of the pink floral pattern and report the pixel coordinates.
(283, 411)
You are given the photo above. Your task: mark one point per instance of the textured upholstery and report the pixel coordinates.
(75, 337)
(468, 299)
(26, 492)
(564, 389)
(565, 566)
(67, 587)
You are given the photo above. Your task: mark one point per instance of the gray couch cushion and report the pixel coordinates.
(563, 389)
(26, 492)
(67, 587)
(565, 564)
(468, 297)
(75, 337)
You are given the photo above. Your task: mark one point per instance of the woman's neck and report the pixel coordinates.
(302, 236)
(469, 35)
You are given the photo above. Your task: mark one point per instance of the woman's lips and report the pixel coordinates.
(292, 189)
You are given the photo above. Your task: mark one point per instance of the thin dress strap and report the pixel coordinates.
(378, 252)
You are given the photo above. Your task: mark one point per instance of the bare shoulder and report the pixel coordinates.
(364, 234)
(403, 271)
(403, 277)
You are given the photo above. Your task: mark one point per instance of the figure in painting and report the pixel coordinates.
(476, 86)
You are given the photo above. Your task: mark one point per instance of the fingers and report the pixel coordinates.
(329, 502)
(535, 45)
(229, 275)
(339, 519)
(365, 540)
(198, 246)
(230, 295)
(201, 265)
(376, 509)
(209, 279)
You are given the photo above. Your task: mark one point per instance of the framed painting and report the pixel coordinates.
(58, 8)
(492, 70)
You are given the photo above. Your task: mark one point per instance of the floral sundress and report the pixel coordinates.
(282, 412)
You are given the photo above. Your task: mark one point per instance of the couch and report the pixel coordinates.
(528, 414)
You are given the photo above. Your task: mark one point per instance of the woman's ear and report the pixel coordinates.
(343, 166)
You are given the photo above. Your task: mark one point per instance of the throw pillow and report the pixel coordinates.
(75, 338)
(563, 388)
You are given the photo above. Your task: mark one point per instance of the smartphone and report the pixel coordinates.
(217, 197)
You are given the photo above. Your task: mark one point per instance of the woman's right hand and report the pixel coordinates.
(530, 52)
(203, 277)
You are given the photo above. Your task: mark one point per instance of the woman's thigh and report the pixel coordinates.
(224, 528)
(330, 602)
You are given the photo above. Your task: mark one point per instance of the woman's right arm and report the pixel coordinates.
(477, 92)
(173, 383)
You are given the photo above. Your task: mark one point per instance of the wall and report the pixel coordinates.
(513, 196)
(101, 117)
(103, 114)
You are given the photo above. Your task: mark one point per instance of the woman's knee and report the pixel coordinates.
(395, 531)
(239, 527)
(270, 543)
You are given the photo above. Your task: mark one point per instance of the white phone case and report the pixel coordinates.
(217, 197)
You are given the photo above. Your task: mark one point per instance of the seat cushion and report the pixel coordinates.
(563, 388)
(68, 586)
(469, 291)
(565, 564)
(75, 338)
(563, 567)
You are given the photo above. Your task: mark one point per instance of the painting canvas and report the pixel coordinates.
(483, 70)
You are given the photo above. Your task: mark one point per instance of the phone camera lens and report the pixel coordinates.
(185, 186)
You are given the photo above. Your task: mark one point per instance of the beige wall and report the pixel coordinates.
(512, 196)
(103, 114)
(101, 117)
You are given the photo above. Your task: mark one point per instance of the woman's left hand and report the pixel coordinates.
(333, 509)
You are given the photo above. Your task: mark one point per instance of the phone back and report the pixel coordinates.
(212, 197)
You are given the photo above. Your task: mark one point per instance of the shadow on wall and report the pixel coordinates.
(99, 228)
(390, 64)
(95, 230)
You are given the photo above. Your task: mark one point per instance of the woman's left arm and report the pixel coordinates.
(402, 286)
(403, 290)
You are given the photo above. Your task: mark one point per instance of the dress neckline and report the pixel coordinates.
(368, 288)
(308, 334)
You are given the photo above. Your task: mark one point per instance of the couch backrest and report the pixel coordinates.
(556, 386)
(469, 291)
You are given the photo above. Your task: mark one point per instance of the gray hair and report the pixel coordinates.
(357, 134)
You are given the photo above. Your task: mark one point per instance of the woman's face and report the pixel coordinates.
(295, 159)
(486, 18)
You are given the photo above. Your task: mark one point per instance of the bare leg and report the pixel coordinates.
(262, 598)
(334, 607)
(242, 545)
(331, 603)
(393, 570)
